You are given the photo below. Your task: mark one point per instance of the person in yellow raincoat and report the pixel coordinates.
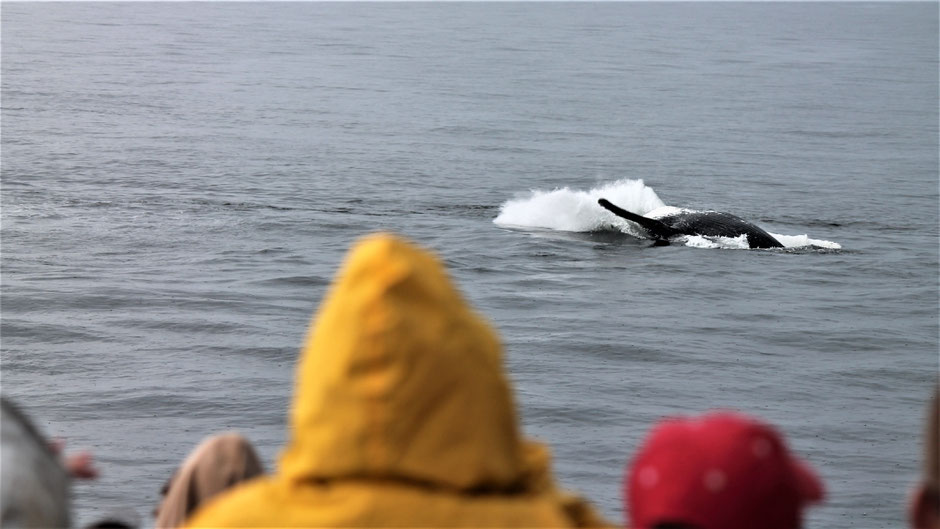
(402, 415)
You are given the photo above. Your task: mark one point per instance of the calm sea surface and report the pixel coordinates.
(180, 182)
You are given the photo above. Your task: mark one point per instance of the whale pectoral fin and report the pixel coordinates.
(656, 229)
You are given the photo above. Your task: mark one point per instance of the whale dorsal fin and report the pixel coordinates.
(656, 229)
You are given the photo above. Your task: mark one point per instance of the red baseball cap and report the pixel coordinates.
(723, 470)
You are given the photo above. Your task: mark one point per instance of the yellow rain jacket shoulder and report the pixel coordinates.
(402, 415)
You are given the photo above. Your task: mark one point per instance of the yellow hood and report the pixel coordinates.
(402, 416)
(400, 379)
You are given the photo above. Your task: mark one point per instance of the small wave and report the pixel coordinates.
(294, 281)
(835, 134)
(52, 333)
(237, 206)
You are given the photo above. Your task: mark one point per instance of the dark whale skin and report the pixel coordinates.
(706, 223)
(720, 224)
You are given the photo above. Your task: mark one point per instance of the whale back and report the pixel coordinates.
(719, 224)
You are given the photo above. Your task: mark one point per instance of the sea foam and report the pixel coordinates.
(566, 209)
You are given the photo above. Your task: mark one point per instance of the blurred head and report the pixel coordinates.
(35, 485)
(397, 368)
(217, 464)
(924, 511)
(719, 471)
(117, 518)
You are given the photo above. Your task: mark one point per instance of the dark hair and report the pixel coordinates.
(109, 524)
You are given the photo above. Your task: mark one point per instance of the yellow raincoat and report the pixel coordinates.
(402, 415)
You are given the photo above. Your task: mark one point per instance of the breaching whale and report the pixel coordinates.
(704, 223)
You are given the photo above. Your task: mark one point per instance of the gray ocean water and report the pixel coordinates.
(180, 182)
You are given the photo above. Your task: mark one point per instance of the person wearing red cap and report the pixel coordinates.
(723, 470)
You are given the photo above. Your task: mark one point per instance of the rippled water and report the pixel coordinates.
(180, 182)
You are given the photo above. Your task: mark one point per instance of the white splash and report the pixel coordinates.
(732, 243)
(578, 211)
(574, 210)
(666, 211)
(803, 241)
